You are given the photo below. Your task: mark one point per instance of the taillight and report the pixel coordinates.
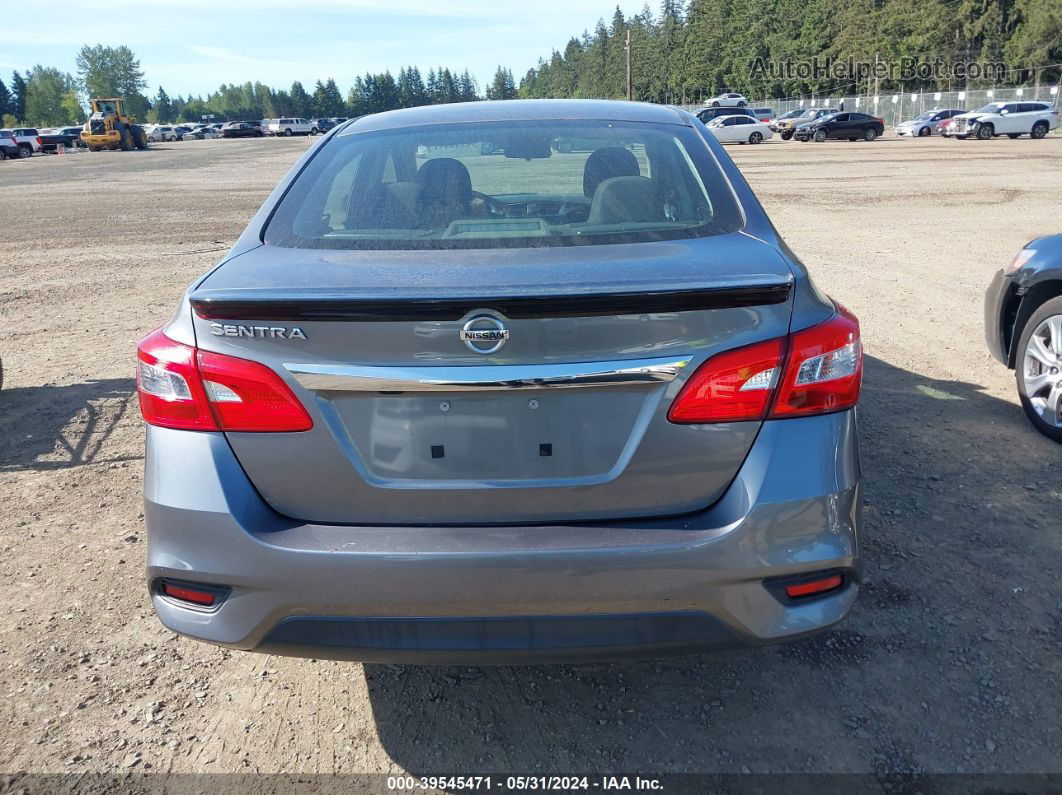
(824, 368)
(732, 386)
(814, 371)
(182, 387)
(39, 141)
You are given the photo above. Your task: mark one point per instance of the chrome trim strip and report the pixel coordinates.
(361, 378)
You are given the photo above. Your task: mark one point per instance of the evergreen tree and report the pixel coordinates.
(301, 102)
(502, 86)
(5, 99)
(17, 106)
(163, 107)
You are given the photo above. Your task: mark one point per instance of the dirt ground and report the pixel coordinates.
(949, 662)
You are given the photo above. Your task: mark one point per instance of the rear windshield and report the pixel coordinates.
(506, 185)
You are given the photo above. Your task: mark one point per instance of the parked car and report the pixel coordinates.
(763, 114)
(739, 129)
(925, 124)
(360, 448)
(28, 139)
(730, 99)
(181, 130)
(241, 129)
(292, 126)
(8, 146)
(844, 125)
(68, 137)
(945, 127)
(161, 132)
(322, 125)
(710, 114)
(785, 124)
(1012, 119)
(200, 132)
(1023, 329)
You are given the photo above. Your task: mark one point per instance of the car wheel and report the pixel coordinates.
(1039, 130)
(870, 135)
(3, 155)
(742, 104)
(25, 151)
(786, 135)
(1039, 369)
(984, 132)
(1012, 136)
(315, 131)
(287, 133)
(756, 137)
(924, 131)
(820, 136)
(715, 104)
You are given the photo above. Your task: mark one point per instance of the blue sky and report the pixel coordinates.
(191, 46)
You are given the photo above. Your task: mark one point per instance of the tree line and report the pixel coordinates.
(688, 50)
(692, 50)
(48, 97)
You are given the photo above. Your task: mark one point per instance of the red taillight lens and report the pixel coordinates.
(732, 386)
(824, 368)
(248, 396)
(181, 387)
(821, 373)
(167, 379)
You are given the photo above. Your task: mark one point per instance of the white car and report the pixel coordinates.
(161, 132)
(925, 124)
(739, 130)
(1012, 119)
(199, 132)
(727, 101)
(292, 126)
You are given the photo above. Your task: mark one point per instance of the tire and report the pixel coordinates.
(140, 138)
(742, 104)
(715, 104)
(820, 136)
(985, 132)
(870, 135)
(786, 135)
(1039, 130)
(924, 132)
(25, 151)
(315, 131)
(1012, 136)
(756, 138)
(287, 133)
(126, 142)
(3, 155)
(94, 148)
(1037, 405)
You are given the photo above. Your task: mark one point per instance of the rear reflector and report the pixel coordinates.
(814, 587)
(187, 594)
(185, 388)
(814, 371)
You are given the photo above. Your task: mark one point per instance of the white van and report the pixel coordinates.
(292, 126)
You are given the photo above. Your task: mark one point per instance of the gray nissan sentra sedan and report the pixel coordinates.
(502, 382)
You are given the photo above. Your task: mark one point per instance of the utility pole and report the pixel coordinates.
(630, 84)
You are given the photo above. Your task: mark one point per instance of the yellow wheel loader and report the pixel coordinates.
(110, 127)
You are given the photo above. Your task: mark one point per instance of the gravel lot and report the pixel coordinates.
(950, 661)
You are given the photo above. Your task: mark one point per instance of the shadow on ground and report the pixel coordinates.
(930, 669)
(54, 427)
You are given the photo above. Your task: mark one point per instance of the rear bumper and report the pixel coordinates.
(512, 593)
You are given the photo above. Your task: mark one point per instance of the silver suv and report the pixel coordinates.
(504, 381)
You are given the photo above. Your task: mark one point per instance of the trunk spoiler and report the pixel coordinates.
(293, 306)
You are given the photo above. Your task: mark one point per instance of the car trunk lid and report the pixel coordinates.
(550, 407)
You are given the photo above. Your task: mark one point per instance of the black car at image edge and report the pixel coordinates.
(1023, 329)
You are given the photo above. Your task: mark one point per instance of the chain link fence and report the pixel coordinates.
(897, 107)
